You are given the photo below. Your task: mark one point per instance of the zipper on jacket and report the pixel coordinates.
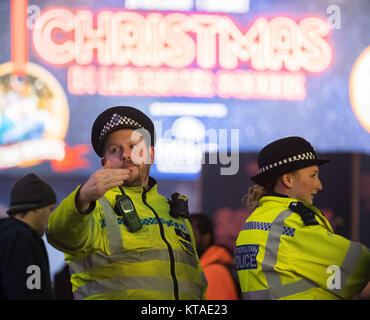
(170, 250)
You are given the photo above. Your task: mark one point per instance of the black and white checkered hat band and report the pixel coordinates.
(299, 157)
(117, 120)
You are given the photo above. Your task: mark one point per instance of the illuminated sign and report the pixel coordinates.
(127, 53)
(359, 89)
(34, 113)
(34, 116)
(267, 70)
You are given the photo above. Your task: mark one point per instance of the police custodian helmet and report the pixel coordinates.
(283, 156)
(116, 118)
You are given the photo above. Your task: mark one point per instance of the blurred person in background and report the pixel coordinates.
(24, 263)
(216, 260)
(287, 248)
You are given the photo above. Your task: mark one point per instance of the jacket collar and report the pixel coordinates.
(281, 199)
(275, 194)
(152, 187)
(275, 199)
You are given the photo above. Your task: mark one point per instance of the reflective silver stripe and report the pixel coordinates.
(136, 283)
(190, 288)
(284, 291)
(122, 284)
(114, 234)
(96, 260)
(271, 251)
(275, 289)
(348, 265)
(203, 280)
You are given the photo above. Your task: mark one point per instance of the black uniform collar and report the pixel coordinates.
(275, 194)
(151, 183)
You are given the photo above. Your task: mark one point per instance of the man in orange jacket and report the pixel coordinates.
(216, 261)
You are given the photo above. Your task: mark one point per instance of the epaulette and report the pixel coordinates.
(307, 215)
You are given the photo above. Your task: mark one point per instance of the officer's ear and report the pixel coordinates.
(103, 162)
(287, 180)
(151, 150)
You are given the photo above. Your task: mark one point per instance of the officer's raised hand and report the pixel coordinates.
(99, 183)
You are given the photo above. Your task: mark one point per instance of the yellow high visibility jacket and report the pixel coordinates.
(281, 254)
(106, 261)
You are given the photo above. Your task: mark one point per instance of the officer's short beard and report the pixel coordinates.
(141, 179)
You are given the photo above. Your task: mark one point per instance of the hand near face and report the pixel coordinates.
(99, 183)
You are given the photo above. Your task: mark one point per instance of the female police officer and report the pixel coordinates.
(287, 248)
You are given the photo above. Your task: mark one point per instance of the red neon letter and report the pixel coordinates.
(235, 46)
(285, 44)
(129, 39)
(206, 28)
(87, 38)
(180, 49)
(46, 47)
(316, 52)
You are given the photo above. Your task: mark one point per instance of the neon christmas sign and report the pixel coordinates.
(177, 54)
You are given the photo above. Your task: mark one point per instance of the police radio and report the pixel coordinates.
(125, 208)
(179, 206)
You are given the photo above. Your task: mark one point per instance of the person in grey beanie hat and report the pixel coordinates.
(30, 193)
(24, 263)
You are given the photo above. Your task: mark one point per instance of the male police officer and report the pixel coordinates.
(287, 248)
(121, 238)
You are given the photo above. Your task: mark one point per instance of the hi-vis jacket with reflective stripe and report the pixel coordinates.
(278, 257)
(106, 261)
